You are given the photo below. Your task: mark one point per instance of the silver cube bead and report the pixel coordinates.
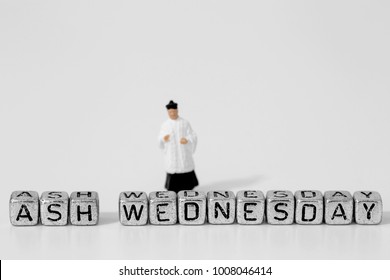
(163, 208)
(368, 207)
(24, 208)
(133, 208)
(250, 207)
(221, 207)
(309, 207)
(84, 208)
(280, 207)
(192, 207)
(54, 208)
(338, 207)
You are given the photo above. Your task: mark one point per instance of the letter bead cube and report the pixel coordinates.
(192, 207)
(280, 207)
(221, 207)
(54, 208)
(309, 207)
(250, 207)
(24, 208)
(84, 208)
(163, 208)
(338, 207)
(368, 207)
(133, 208)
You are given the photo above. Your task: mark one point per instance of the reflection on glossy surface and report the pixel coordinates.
(110, 240)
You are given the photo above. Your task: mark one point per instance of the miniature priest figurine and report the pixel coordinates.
(178, 141)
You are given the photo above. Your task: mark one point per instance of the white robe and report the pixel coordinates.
(178, 157)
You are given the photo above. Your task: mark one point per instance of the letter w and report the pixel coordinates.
(128, 195)
(133, 209)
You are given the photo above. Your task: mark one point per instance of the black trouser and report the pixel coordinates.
(181, 181)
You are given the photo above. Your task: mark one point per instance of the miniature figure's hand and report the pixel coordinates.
(166, 138)
(183, 141)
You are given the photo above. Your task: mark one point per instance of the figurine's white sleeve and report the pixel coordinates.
(163, 132)
(191, 137)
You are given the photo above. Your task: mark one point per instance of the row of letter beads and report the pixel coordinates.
(54, 208)
(250, 207)
(194, 208)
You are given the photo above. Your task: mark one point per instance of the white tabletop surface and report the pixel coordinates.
(111, 240)
(282, 95)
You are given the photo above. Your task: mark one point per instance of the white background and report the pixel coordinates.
(282, 94)
(281, 269)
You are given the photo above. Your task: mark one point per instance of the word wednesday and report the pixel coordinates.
(249, 207)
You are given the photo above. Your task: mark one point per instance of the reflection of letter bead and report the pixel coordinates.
(84, 208)
(280, 207)
(133, 208)
(338, 207)
(162, 208)
(250, 207)
(221, 207)
(24, 208)
(54, 208)
(309, 207)
(192, 207)
(368, 207)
